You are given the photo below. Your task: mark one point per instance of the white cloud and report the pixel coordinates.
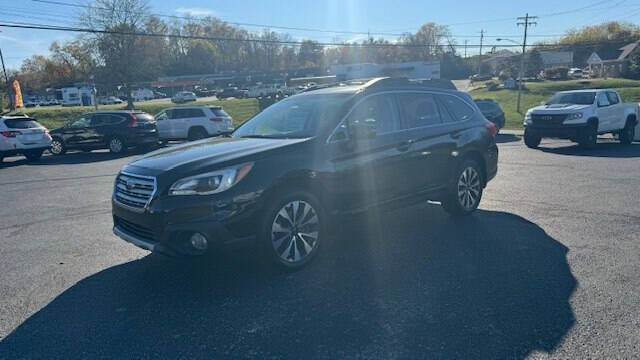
(194, 11)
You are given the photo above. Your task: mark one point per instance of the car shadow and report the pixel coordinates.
(413, 283)
(602, 149)
(506, 138)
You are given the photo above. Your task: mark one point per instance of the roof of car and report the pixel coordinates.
(381, 83)
(585, 90)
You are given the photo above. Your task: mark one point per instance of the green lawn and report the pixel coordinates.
(239, 109)
(539, 91)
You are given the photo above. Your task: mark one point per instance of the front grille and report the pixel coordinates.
(134, 229)
(134, 190)
(548, 120)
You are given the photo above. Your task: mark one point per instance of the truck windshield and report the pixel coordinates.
(577, 98)
(296, 117)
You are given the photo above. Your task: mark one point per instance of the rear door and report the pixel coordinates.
(197, 117)
(367, 169)
(424, 120)
(99, 130)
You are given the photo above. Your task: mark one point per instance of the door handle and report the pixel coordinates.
(404, 146)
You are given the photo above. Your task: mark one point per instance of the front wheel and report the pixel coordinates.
(464, 197)
(589, 136)
(293, 230)
(57, 147)
(628, 133)
(531, 139)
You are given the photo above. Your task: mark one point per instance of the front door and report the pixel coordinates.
(366, 165)
(76, 133)
(606, 112)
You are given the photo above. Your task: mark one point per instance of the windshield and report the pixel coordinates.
(486, 106)
(296, 117)
(577, 98)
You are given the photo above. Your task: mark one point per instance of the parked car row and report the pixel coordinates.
(115, 130)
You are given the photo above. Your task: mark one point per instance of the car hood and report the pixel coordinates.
(559, 108)
(205, 153)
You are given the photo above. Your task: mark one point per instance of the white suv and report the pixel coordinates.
(192, 122)
(183, 96)
(22, 135)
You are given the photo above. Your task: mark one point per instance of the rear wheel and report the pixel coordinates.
(116, 145)
(531, 139)
(628, 133)
(293, 230)
(57, 147)
(197, 134)
(33, 155)
(589, 136)
(465, 196)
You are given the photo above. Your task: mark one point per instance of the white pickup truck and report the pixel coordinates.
(581, 115)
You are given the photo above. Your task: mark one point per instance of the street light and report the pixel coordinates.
(521, 72)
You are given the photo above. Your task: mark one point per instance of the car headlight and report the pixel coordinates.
(527, 118)
(211, 182)
(574, 116)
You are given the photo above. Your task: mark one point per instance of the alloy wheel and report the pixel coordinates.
(115, 145)
(56, 147)
(294, 232)
(469, 188)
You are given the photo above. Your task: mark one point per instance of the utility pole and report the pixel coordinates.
(465, 48)
(480, 57)
(526, 22)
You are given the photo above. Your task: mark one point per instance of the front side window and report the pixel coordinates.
(612, 97)
(419, 109)
(603, 100)
(376, 111)
(296, 117)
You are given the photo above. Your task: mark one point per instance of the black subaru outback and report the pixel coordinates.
(281, 177)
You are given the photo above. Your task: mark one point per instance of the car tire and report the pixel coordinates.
(116, 145)
(627, 134)
(589, 136)
(33, 155)
(465, 194)
(293, 229)
(57, 146)
(531, 139)
(197, 134)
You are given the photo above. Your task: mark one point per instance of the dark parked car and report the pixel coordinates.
(232, 92)
(492, 111)
(283, 176)
(113, 130)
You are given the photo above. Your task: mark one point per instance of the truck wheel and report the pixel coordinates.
(464, 196)
(627, 134)
(531, 139)
(589, 136)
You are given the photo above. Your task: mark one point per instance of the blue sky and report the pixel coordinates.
(466, 18)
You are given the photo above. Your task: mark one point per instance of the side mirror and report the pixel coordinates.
(365, 129)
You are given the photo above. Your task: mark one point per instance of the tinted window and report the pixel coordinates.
(419, 110)
(25, 123)
(578, 98)
(613, 97)
(196, 113)
(219, 112)
(81, 122)
(180, 113)
(460, 110)
(115, 119)
(100, 119)
(487, 106)
(376, 110)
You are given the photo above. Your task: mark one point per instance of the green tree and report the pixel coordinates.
(534, 63)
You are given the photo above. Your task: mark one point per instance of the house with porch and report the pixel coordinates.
(613, 66)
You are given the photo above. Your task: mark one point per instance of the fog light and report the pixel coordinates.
(198, 241)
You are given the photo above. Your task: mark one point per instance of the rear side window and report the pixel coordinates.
(487, 106)
(25, 123)
(196, 113)
(613, 97)
(460, 110)
(115, 119)
(419, 110)
(219, 112)
(100, 120)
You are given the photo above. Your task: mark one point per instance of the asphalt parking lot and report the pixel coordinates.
(548, 267)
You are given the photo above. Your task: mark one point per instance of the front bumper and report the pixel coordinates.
(167, 225)
(571, 131)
